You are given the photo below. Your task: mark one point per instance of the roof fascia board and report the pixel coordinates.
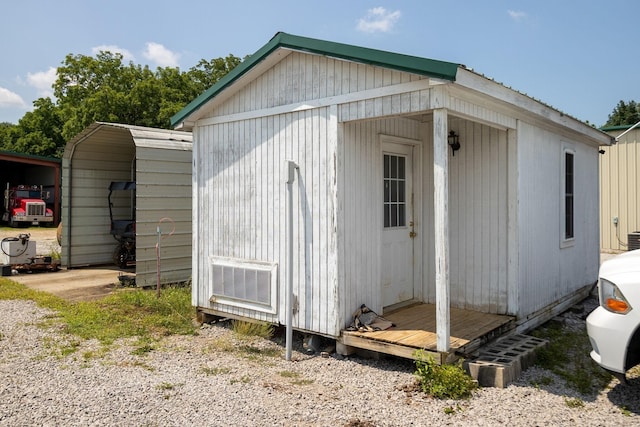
(13, 156)
(475, 82)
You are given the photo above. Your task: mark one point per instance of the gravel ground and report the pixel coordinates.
(216, 379)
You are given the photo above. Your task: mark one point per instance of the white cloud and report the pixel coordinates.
(378, 19)
(517, 15)
(10, 99)
(126, 55)
(162, 56)
(42, 81)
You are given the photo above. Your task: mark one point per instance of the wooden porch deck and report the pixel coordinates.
(415, 328)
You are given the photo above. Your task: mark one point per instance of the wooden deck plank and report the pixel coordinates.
(415, 328)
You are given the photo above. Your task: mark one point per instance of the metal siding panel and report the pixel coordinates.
(166, 174)
(619, 186)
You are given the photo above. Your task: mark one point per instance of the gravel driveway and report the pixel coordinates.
(217, 379)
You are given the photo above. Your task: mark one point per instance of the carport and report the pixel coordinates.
(28, 169)
(159, 161)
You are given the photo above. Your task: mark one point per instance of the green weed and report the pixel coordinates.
(448, 381)
(295, 378)
(574, 402)
(167, 386)
(254, 353)
(245, 379)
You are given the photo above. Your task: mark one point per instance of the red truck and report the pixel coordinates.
(24, 205)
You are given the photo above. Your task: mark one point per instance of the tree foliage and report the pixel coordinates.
(104, 88)
(624, 114)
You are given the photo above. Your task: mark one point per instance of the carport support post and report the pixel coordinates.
(441, 225)
(291, 167)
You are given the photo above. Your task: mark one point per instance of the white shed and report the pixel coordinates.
(454, 247)
(159, 162)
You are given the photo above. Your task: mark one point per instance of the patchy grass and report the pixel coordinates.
(167, 386)
(214, 371)
(224, 345)
(253, 329)
(255, 353)
(127, 313)
(294, 378)
(574, 402)
(567, 355)
(55, 255)
(245, 379)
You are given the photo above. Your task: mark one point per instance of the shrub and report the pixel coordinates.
(448, 381)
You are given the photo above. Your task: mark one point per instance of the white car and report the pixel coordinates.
(614, 327)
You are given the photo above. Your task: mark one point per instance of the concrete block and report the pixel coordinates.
(497, 373)
(502, 362)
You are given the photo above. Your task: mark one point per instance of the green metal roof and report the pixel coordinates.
(411, 64)
(617, 127)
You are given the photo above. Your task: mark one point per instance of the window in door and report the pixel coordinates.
(395, 198)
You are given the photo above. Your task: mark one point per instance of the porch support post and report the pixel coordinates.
(441, 224)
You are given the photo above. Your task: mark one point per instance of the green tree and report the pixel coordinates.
(624, 114)
(6, 135)
(103, 88)
(207, 73)
(37, 132)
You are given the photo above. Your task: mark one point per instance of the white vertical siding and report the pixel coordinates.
(548, 272)
(242, 208)
(477, 215)
(300, 78)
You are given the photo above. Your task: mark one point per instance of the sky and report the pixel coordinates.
(579, 57)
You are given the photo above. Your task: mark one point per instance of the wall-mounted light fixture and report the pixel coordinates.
(452, 139)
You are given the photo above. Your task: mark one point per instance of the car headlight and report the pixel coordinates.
(612, 299)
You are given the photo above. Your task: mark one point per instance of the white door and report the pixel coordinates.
(398, 230)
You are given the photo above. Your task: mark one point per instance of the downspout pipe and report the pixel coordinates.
(291, 168)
